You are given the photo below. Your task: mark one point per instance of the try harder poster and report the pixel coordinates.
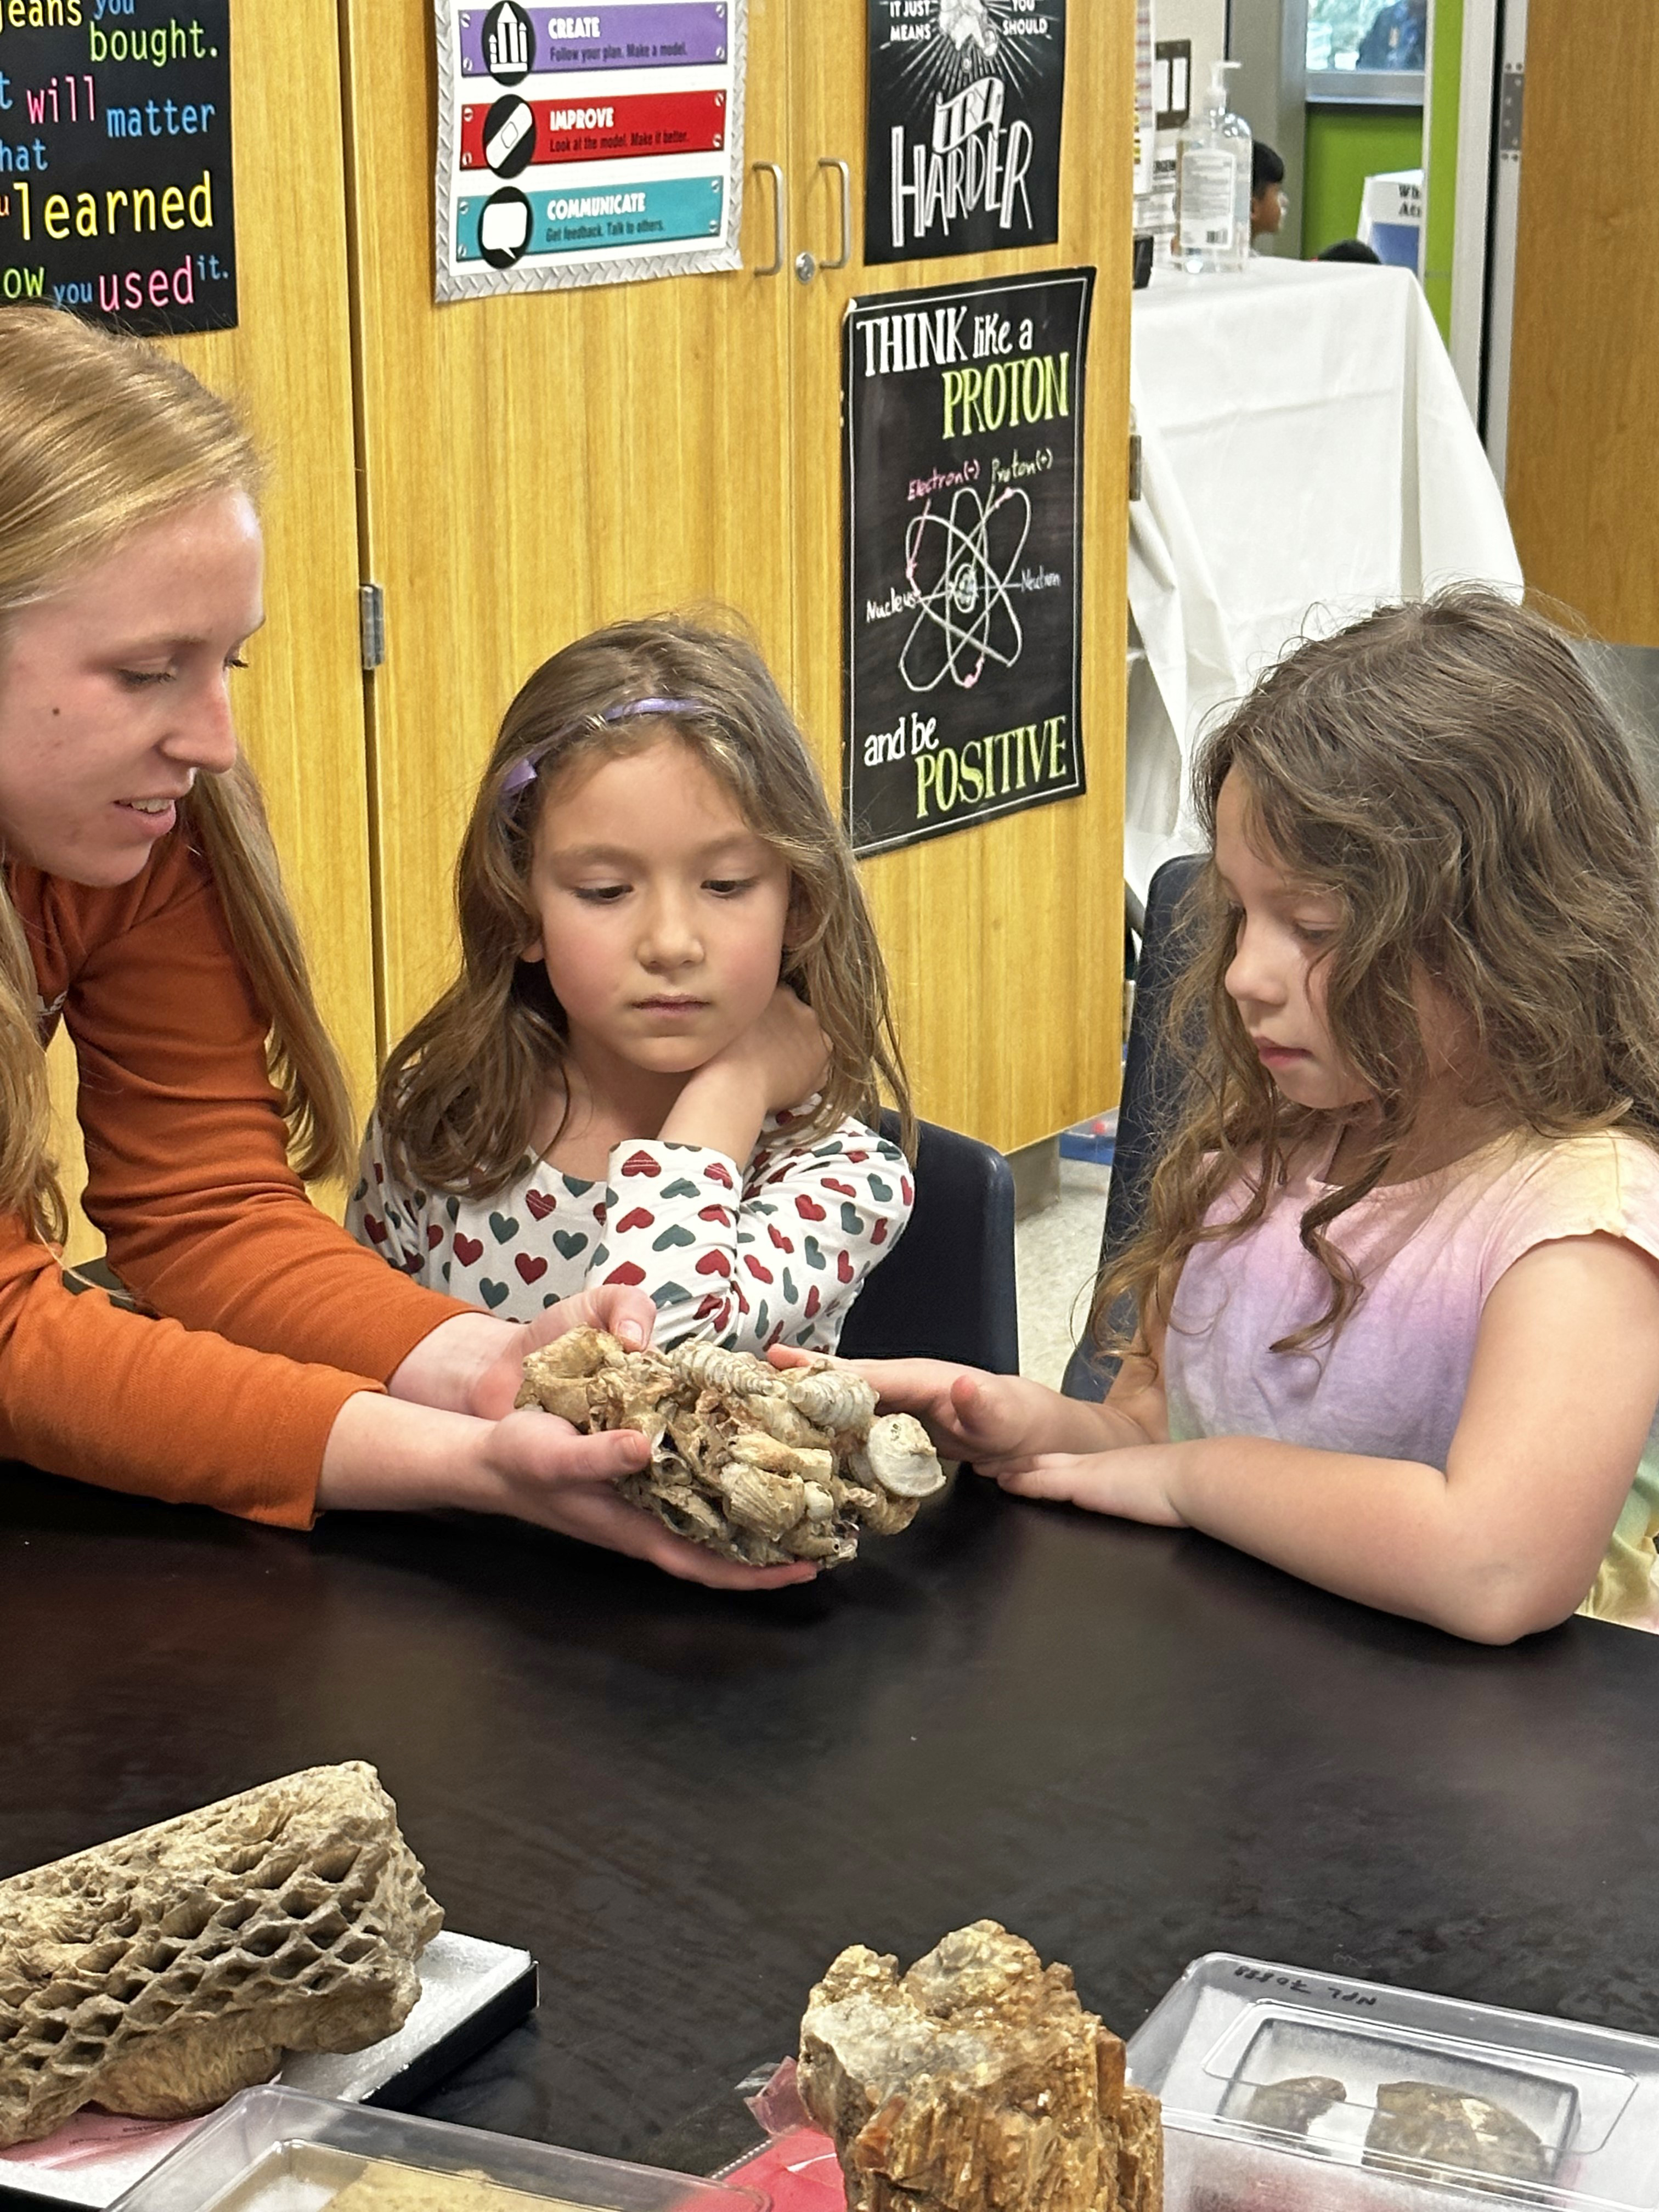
(115, 185)
(965, 100)
(963, 408)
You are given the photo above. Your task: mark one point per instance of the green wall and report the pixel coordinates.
(1346, 145)
(1446, 71)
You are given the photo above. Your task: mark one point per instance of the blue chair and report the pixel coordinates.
(948, 1291)
(1151, 1091)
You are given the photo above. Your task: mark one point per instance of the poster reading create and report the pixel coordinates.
(115, 179)
(963, 135)
(588, 145)
(963, 504)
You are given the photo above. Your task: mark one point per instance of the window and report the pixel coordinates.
(1367, 50)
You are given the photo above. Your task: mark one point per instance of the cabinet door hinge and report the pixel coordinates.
(1511, 101)
(371, 623)
(1134, 464)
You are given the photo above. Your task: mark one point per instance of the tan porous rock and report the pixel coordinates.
(763, 1464)
(160, 1973)
(976, 2082)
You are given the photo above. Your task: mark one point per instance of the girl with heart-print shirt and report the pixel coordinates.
(660, 1062)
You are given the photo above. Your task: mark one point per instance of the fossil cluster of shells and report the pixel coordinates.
(976, 2082)
(158, 1974)
(763, 1464)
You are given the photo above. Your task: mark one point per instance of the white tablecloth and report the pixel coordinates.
(1306, 453)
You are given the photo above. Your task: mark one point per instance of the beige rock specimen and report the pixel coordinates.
(761, 1464)
(976, 2082)
(160, 1973)
(1292, 2106)
(1421, 2126)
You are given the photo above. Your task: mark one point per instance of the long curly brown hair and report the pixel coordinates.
(1448, 774)
(459, 1095)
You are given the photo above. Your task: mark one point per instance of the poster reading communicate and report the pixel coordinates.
(588, 145)
(963, 585)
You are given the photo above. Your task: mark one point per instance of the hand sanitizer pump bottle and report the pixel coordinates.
(1213, 223)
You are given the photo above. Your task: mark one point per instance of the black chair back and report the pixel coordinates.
(947, 1292)
(1151, 1091)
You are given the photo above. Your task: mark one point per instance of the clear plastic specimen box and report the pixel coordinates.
(1295, 2090)
(274, 2150)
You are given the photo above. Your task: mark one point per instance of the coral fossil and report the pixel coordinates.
(761, 1464)
(160, 1973)
(976, 2082)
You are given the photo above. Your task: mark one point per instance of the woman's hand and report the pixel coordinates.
(536, 1468)
(1130, 1481)
(626, 1314)
(471, 1362)
(384, 1455)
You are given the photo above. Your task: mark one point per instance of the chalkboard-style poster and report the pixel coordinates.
(964, 151)
(963, 503)
(115, 185)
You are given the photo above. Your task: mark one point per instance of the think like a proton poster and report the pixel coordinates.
(963, 505)
(963, 136)
(588, 145)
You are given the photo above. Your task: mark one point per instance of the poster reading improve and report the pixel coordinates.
(963, 139)
(587, 146)
(115, 178)
(963, 502)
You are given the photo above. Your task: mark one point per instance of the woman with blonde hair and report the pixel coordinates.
(142, 907)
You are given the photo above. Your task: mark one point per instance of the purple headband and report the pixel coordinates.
(524, 772)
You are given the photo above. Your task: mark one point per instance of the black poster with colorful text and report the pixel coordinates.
(963, 135)
(115, 178)
(962, 413)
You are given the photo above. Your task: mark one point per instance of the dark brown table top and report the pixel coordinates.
(1131, 1746)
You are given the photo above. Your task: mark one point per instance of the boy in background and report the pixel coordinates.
(1267, 202)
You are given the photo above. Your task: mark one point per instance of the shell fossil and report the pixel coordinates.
(160, 1973)
(764, 1465)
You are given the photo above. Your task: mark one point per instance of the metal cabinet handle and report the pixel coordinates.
(833, 161)
(778, 239)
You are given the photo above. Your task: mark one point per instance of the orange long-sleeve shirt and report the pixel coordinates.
(275, 1316)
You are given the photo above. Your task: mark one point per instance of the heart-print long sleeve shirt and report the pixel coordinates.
(773, 1253)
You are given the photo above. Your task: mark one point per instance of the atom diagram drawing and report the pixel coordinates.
(966, 616)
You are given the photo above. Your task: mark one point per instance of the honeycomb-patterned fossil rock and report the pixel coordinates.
(160, 1973)
(761, 1464)
(976, 2082)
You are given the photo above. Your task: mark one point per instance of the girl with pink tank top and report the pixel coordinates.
(1397, 1303)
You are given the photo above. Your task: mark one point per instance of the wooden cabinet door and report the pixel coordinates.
(288, 366)
(1583, 429)
(1005, 941)
(536, 465)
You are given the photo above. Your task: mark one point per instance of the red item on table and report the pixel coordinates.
(798, 2170)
